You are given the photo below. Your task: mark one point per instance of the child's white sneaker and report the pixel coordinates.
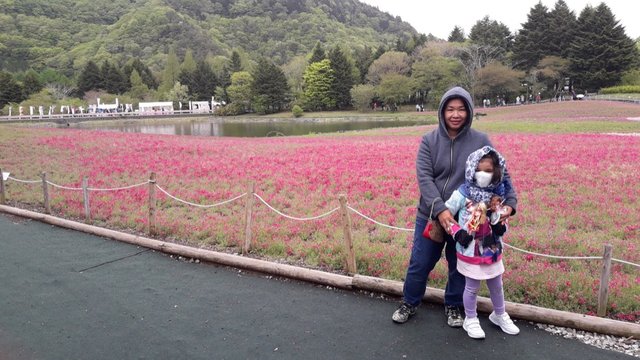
(473, 328)
(505, 323)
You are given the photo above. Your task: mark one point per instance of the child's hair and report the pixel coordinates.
(496, 166)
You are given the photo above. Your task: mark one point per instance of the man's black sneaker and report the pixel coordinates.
(404, 312)
(454, 317)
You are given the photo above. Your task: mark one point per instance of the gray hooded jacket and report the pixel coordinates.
(440, 165)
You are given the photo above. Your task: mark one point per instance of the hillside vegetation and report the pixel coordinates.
(65, 34)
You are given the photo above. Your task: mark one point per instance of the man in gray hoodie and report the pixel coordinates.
(440, 168)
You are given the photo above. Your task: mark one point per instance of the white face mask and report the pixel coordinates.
(483, 178)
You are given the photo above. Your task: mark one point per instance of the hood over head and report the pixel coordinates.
(471, 190)
(455, 93)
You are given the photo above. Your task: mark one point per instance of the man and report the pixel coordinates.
(440, 168)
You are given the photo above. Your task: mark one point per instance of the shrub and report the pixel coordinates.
(624, 89)
(297, 111)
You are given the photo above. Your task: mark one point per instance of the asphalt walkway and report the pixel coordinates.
(69, 295)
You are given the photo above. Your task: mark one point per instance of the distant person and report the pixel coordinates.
(440, 168)
(478, 204)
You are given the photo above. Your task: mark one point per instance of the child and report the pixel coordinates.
(479, 240)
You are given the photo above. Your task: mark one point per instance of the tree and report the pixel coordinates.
(204, 82)
(188, 64)
(236, 62)
(434, 75)
(532, 41)
(143, 70)
(395, 89)
(90, 77)
(318, 81)
(363, 59)
(343, 78)
(497, 79)
(561, 30)
(30, 83)
(602, 52)
(487, 32)
(240, 90)
(10, 90)
(457, 35)
(171, 71)
(139, 89)
(269, 87)
(113, 80)
(362, 95)
(317, 53)
(473, 58)
(392, 62)
(178, 93)
(550, 72)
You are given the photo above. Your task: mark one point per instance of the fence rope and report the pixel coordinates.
(554, 256)
(199, 205)
(120, 188)
(63, 187)
(626, 262)
(295, 218)
(24, 181)
(377, 222)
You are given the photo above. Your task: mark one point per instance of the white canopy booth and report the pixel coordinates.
(157, 107)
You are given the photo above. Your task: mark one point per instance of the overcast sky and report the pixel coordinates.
(440, 16)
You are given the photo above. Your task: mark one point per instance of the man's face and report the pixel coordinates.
(455, 115)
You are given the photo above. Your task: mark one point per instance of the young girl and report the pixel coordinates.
(479, 240)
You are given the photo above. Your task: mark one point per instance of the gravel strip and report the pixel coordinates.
(627, 346)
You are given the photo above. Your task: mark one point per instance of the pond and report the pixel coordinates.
(260, 128)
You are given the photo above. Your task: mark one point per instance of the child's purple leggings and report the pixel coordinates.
(470, 295)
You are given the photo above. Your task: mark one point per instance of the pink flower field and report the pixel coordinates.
(577, 192)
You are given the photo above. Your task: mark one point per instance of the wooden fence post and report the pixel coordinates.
(2, 194)
(45, 194)
(85, 198)
(152, 204)
(248, 214)
(603, 295)
(348, 236)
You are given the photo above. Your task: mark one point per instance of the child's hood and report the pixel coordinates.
(474, 159)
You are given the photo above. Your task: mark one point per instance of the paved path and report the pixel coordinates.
(69, 295)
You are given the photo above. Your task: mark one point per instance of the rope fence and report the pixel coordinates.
(344, 208)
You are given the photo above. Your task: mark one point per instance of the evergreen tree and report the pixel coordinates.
(317, 54)
(113, 80)
(204, 82)
(602, 52)
(138, 89)
(236, 62)
(363, 59)
(318, 80)
(457, 35)
(143, 70)
(561, 30)
(269, 87)
(90, 77)
(188, 64)
(487, 32)
(240, 91)
(171, 71)
(10, 90)
(379, 52)
(532, 43)
(343, 78)
(30, 83)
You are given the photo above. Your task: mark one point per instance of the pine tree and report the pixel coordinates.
(171, 71)
(236, 62)
(343, 78)
(188, 64)
(269, 87)
(489, 32)
(457, 35)
(203, 82)
(602, 52)
(90, 77)
(30, 83)
(363, 59)
(113, 80)
(531, 43)
(10, 90)
(561, 30)
(143, 70)
(317, 54)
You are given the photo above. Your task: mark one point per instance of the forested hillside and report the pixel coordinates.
(65, 34)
